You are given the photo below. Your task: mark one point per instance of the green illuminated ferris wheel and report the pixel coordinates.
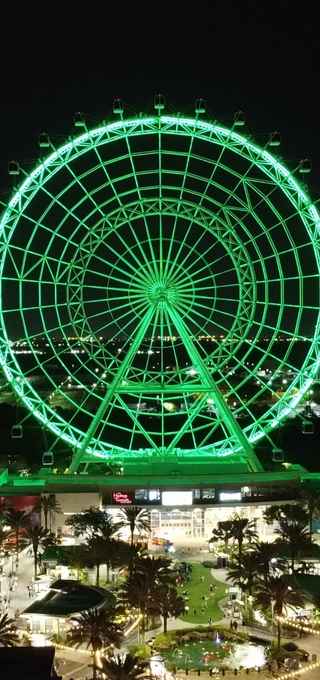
(160, 289)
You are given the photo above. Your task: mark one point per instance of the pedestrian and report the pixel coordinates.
(211, 587)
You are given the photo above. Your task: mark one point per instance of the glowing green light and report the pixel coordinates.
(131, 249)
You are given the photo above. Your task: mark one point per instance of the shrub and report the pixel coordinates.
(142, 651)
(165, 641)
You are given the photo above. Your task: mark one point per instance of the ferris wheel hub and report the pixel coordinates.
(161, 293)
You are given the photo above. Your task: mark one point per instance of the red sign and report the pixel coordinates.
(122, 498)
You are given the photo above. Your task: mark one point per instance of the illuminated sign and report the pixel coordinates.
(177, 498)
(230, 496)
(122, 498)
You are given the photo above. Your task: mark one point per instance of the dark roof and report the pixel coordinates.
(67, 597)
(27, 663)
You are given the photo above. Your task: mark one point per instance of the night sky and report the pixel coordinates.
(262, 57)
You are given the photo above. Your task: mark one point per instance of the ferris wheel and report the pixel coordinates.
(160, 288)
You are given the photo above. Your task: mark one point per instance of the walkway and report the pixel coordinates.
(15, 584)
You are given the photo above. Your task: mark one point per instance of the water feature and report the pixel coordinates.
(214, 653)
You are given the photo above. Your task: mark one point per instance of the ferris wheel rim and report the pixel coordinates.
(276, 171)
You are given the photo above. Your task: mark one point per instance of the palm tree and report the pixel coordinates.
(288, 512)
(37, 536)
(166, 602)
(137, 520)
(3, 536)
(124, 667)
(8, 631)
(222, 533)
(147, 574)
(154, 570)
(278, 594)
(98, 553)
(311, 498)
(49, 506)
(17, 520)
(78, 558)
(97, 630)
(243, 529)
(92, 522)
(243, 571)
(263, 553)
(295, 537)
(135, 592)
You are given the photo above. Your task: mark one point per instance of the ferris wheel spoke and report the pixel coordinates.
(173, 232)
(216, 165)
(151, 262)
(182, 244)
(140, 307)
(80, 246)
(217, 324)
(214, 262)
(135, 257)
(121, 204)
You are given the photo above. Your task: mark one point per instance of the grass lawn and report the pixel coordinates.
(199, 610)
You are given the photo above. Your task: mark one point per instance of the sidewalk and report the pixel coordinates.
(18, 578)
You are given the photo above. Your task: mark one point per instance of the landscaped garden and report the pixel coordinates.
(202, 594)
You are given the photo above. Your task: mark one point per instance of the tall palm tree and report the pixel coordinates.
(243, 529)
(289, 512)
(100, 551)
(92, 522)
(295, 537)
(147, 574)
(278, 594)
(311, 498)
(264, 553)
(124, 667)
(154, 570)
(166, 602)
(49, 506)
(8, 631)
(37, 536)
(17, 520)
(97, 630)
(243, 571)
(3, 535)
(135, 592)
(223, 532)
(137, 520)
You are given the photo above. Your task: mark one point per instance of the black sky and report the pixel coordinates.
(262, 57)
